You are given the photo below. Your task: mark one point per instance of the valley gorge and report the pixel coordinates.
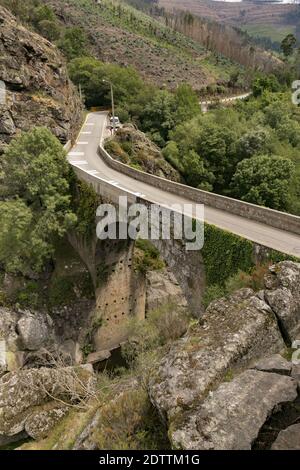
(129, 344)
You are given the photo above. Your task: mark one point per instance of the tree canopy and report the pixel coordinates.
(263, 180)
(37, 205)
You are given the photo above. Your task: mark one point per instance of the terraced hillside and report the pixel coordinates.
(264, 20)
(120, 34)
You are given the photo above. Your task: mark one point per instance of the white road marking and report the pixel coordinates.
(79, 162)
(76, 154)
(90, 124)
(82, 143)
(86, 132)
(93, 172)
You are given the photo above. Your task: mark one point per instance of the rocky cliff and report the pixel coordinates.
(134, 148)
(210, 388)
(35, 89)
(229, 383)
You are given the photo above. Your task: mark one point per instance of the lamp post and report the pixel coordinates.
(112, 102)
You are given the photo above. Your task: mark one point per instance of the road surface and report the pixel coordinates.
(228, 99)
(84, 155)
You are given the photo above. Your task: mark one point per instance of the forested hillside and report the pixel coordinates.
(114, 32)
(218, 36)
(267, 21)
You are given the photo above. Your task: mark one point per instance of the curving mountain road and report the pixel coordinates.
(84, 155)
(229, 99)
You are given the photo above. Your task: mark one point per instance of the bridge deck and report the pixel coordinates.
(84, 155)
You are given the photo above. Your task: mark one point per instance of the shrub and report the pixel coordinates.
(164, 324)
(147, 257)
(130, 422)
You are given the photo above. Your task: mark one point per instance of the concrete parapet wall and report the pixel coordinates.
(273, 218)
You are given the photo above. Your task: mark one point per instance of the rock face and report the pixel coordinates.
(162, 288)
(34, 400)
(276, 364)
(288, 439)
(132, 146)
(35, 89)
(34, 330)
(21, 333)
(231, 334)
(232, 331)
(283, 295)
(230, 419)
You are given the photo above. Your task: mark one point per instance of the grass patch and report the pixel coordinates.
(274, 32)
(147, 257)
(130, 423)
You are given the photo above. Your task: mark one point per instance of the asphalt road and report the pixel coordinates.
(84, 155)
(228, 99)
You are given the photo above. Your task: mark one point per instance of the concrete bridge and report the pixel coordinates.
(119, 289)
(273, 229)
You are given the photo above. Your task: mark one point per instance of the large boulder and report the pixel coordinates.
(43, 418)
(282, 293)
(275, 363)
(232, 416)
(35, 330)
(232, 332)
(142, 152)
(34, 400)
(163, 288)
(288, 439)
(23, 333)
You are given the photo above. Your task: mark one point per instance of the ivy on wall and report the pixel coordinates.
(225, 254)
(84, 203)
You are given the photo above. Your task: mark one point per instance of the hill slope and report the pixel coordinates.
(259, 20)
(120, 34)
(38, 91)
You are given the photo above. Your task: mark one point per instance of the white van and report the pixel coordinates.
(115, 121)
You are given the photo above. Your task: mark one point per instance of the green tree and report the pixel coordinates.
(90, 74)
(253, 142)
(214, 144)
(159, 115)
(187, 103)
(73, 43)
(172, 154)
(195, 172)
(263, 83)
(264, 180)
(287, 45)
(35, 176)
(49, 29)
(16, 227)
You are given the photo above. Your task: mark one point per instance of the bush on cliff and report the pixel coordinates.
(36, 201)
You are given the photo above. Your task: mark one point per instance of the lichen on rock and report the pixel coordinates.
(38, 91)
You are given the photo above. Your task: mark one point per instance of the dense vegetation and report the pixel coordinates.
(35, 202)
(123, 35)
(42, 18)
(249, 152)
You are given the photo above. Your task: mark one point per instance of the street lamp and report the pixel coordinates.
(112, 102)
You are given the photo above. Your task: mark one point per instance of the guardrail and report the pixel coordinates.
(68, 146)
(273, 218)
